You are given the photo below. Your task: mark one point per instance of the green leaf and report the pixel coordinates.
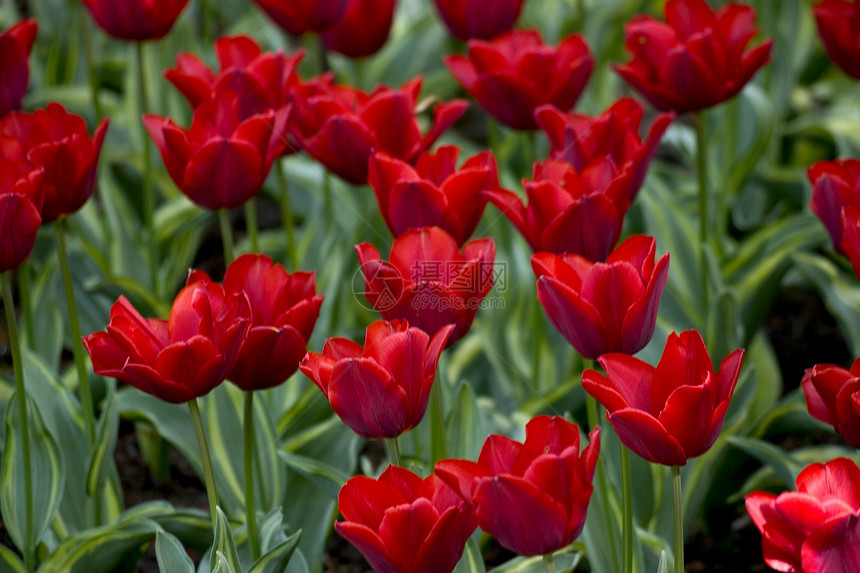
(463, 427)
(563, 562)
(785, 466)
(171, 555)
(102, 549)
(224, 545)
(222, 417)
(472, 560)
(101, 458)
(663, 566)
(276, 559)
(327, 477)
(222, 564)
(10, 562)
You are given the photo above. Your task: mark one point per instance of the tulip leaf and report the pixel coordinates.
(102, 549)
(170, 553)
(472, 560)
(10, 562)
(563, 562)
(222, 564)
(663, 566)
(463, 428)
(224, 546)
(275, 560)
(327, 477)
(101, 460)
(785, 466)
(191, 526)
(222, 416)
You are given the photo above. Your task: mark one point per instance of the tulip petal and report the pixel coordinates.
(646, 437)
(834, 547)
(366, 397)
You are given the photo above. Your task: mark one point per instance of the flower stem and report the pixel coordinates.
(26, 304)
(147, 192)
(226, 235)
(549, 562)
(206, 458)
(251, 224)
(328, 201)
(702, 168)
(679, 519)
(438, 447)
(21, 394)
(287, 215)
(250, 506)
(394, 451)
(86, 31)
(75, 327)
(539, 336)
(580, 14)
(627, 504)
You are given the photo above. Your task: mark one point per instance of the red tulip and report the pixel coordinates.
(222, 160)
(379, 390)
(851, 235)
(583, 141)
(696, 59)
(569, 212)
(532, 497)
(479, 19)
(433, 193)
(284, 310)
(178, 359)
(516, 73)
(671, 413)
(136, 19)
(341, 127)
(835, 184)
(362, 30)
(833, 396)
(20, 202)
(815, 529)
(58, 142)
(298, 17)
(838, 22)
(15, 46)
(604, 307)
(403, 524)
(428, 281)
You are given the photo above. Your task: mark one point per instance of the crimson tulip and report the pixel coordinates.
(838, 22)
(568, 211)
(434, 192)
(57, 142)
(851, 235)
(379, 390)
(362, 30)
(835, 185)
(833, 396)
(671, 413)
(514, 74)
(696, 59)
(15, 46)
(604, 307)
(181, 358)
(428, 280)
(136, 19)
(404, 524)
(298, 17)
(479, 19)
(341, 127)
(583, 141)
(815, 529)
(531, 497)
(284, 311)
(21, 199)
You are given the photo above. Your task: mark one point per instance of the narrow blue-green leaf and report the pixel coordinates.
(224, 545)
(663, 566)
(464, 426)
(472, 560)
(101, 457)
(10, 562)
(102, 549)
(563, 562)
(328, 477)
(276, 559)
(267, 465)
(222, 564)
(785, 466)
(171, 555)
(223, 421)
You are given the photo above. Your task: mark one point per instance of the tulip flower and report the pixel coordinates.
(838, 21)
(181, 358)
(815, 529)
(341, 127)
(531, 497)
(21, 199)
(434, 192)
(299, 17)
(569, 212)
(136, 19)
(15, 46)
(57, 142)
(604, 307)
(696, 59)
(428, 280)
(479, 19)
(671, 413)
(851, 235)
(404, 524)
(583, 141)
(514, 74)
(284, 310)
(835, 185)
(833, 396)
(379, 390)
(362, 30)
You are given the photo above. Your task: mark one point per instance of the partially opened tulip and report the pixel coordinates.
(833, 396)
(532, 497)
(15, 46)
(670, 413)
(604, 307)
(478, 19)
(838, 22)
(299, 17)
(362, 30)
(136, 19)
(835, 185)
(404, 524)
(381, 389)
(20, 203)
(851, 235)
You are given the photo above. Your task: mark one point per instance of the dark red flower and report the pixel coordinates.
(178, 359)
(428, 280)
(136, 19)
(403, 524)
(514, 74)
(835, 185)
(284, 311)
(434, 192)
(851, 235)
(604, 307)
(298, 17)
(815, 529)
(569, 212)
(694, 60)
(15, 46)
(833, 396)
(362, 30)
(20, 202)
(341, 127)
(531, 497)
(380, 390)
(584, 141)
(671, 413)
(479, 19)
(838, 24)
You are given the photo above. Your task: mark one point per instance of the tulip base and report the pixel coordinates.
(226, 235)
(394, 451)
(549, 563)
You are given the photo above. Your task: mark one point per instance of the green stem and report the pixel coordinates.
(549, 562)
(75, 327)
(627, 504)
(21, 394)
(226, 235)
(394, 451)
(328, 200)
(679, 519)
(147, 192)
(324, 65)
(26, 304)
(250, 506)
(540, 335)
(580, 14)
(91, 67)
(702, 169)
(251, 224)
(287, 215)
(438, 447)
(206, 458)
